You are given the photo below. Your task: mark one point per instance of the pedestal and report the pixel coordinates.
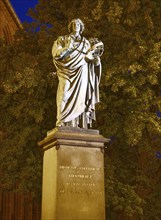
(73, 175)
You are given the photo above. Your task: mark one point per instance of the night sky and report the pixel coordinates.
(21, 8)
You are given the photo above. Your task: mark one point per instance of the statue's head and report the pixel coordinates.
(73, 23)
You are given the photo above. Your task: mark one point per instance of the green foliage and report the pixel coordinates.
(27, 110)
(152, 205)
(130, 97)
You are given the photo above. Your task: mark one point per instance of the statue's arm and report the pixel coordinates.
(60, 49)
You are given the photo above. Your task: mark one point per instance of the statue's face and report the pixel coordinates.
(76, 26)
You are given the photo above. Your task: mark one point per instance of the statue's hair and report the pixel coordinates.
(76, 20)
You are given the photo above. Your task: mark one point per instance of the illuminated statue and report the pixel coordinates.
(78, 65)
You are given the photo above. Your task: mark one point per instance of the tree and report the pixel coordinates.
(130, 96)
(25, 115)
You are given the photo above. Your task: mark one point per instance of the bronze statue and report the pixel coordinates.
(78, 65)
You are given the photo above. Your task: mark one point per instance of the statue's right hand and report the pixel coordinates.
(70, 43)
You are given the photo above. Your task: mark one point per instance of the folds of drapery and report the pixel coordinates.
(78, 90)
(92, 95)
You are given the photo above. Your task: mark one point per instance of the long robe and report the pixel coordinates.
(77, 91)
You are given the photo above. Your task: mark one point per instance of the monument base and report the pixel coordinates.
(73, 175)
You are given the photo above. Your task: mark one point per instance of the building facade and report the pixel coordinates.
(9, 22)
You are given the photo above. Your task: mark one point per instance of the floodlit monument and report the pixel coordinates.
(73, 166)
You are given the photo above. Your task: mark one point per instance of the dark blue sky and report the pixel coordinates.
(21, 7)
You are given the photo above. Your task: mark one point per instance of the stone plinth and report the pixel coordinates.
(73, 175)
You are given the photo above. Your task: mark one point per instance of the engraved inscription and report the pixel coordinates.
(82, 176)
(79, 168)
(80, 180)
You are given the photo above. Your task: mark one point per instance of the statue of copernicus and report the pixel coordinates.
(78, 65)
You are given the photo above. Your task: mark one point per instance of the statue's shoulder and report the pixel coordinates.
(85, 39)
(61, 39)
(86, 43)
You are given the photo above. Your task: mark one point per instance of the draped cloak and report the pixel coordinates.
(78, 90)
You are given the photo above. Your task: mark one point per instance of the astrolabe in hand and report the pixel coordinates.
(96, 50)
